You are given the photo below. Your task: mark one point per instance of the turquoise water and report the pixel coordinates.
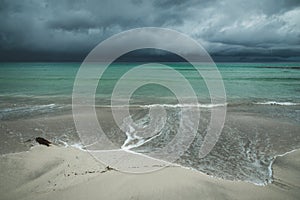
(244, 82)
(263, 104)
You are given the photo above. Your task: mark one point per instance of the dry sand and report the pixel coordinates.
(69, 173)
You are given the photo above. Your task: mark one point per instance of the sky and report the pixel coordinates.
(230, 30)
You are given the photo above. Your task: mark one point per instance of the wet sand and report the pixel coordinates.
(246, 147)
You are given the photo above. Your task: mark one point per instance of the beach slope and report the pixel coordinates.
(69, 173)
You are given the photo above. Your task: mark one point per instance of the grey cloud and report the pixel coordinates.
(271, 7)
(168, 3)
(226, 27)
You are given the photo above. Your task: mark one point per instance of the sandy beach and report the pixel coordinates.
(149, 100)
(69, 173)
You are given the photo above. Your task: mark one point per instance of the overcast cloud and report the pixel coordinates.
(69, 29)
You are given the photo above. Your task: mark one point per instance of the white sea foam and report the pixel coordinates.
(184, 105)
(272, 162)
(137, 140)
(166, 105)
(78, 146)
(131, 136)
(75, 145)
(278, 103)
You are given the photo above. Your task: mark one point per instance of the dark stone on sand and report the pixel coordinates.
(108, 168)
(42, 141)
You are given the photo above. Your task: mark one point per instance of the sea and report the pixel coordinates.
(262, 119)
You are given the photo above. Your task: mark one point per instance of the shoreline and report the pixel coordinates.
(63, 127)
(79, 146)
(275, 157)
(67, 172)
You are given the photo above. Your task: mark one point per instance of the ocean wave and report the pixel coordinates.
(27, 108)
(184, 105)
(277, 103)
(199, 105)
(206, 105)
(15, 112)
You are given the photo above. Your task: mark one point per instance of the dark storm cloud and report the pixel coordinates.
(69, 29)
